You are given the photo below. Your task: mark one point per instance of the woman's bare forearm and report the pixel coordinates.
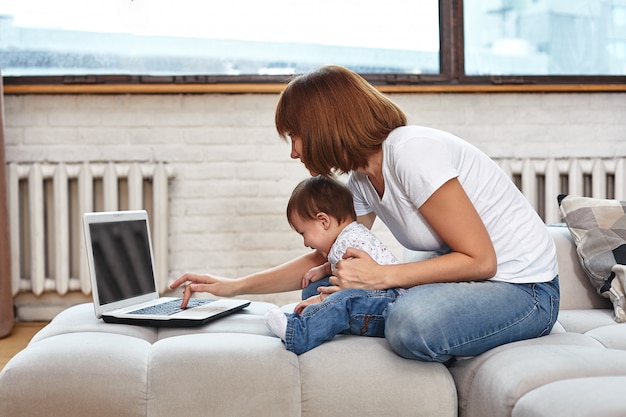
(282, 278)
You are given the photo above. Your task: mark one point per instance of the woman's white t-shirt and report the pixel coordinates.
(417, 161)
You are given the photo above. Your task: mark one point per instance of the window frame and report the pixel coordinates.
(452, 77)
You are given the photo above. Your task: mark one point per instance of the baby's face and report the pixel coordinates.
(315, 234)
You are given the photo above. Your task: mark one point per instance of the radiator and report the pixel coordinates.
(46, 203)
(542, 180)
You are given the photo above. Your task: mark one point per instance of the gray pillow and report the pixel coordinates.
(598, 227)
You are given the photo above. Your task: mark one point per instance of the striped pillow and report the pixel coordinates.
(598, 227)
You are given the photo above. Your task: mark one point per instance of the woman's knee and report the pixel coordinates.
(435, 323)
(409, 338)
(395, 324)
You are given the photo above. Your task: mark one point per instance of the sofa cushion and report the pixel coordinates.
(577, 293)
(612, 336)
(77, 374)
(231, 367)
(467, 372)
(581, 397)
(581, 321)
(598, 227)
(222, 374)
(378, 383)
(512, 371)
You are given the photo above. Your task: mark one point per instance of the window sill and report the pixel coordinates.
(246, 88)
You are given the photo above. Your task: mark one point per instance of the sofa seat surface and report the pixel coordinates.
(576, 397)
(582, 321)
(78, 365)
(493, 385)
(81, 318)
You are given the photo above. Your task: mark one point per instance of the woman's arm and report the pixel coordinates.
(451, 214)
(367, 220)
(285, 277)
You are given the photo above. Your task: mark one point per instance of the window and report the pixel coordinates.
(543, 37)
(199, 37)
(446, 42)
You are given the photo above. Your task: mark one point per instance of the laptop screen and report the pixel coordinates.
(122, 260)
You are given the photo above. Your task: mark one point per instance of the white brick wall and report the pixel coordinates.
(234, 175)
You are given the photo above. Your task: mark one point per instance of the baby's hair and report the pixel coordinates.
(321, 195)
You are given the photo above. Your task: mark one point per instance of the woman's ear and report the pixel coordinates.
(324, 219)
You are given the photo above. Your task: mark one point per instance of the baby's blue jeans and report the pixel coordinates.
(352, 311)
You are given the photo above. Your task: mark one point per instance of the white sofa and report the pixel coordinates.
(80, 366)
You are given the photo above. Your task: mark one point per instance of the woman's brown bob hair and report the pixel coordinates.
(340, 117)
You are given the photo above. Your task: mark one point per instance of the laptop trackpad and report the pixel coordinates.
(215, 307)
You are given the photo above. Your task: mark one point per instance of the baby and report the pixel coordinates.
(322, 211)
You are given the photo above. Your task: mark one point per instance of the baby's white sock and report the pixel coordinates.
(276, 321)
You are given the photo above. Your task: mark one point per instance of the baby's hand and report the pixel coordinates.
(305, 303)
(315, 274)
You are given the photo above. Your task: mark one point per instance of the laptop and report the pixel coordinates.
(121, 266)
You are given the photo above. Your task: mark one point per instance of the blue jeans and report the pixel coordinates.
(436, 322)
(311, 290)
(351, 311)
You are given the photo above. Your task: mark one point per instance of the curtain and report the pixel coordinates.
(6, 296)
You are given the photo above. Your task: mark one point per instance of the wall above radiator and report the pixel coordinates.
(234, 175)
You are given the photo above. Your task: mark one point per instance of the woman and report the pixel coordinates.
(495, 279)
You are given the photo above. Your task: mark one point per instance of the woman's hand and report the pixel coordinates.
(357, 270)
(222, 287)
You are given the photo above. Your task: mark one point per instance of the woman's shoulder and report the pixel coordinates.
(416, 145)
(413, 137)
(417, 131)
(356, 179)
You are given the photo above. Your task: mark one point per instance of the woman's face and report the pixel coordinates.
(296, 146)
(296, 151)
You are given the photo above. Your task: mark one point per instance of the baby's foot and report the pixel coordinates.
(276, 321)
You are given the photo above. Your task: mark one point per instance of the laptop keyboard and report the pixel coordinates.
(170, 307)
